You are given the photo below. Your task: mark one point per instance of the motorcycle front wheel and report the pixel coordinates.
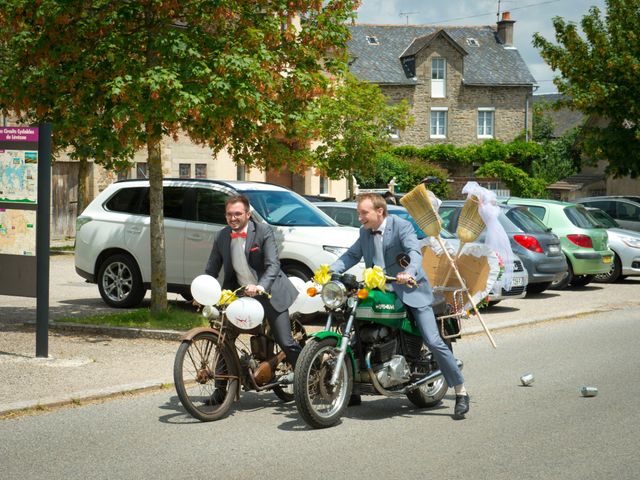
(320, 404)
(206, 377)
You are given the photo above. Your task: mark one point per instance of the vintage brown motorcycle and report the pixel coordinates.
(235, 352)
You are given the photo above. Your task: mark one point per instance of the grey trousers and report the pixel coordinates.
(426, 322)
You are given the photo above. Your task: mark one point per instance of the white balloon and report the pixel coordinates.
(245, 313)
(306, 304)
(206, 290)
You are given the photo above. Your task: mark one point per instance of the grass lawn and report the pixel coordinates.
(173, 319)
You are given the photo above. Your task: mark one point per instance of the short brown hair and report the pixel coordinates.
(237, 199)
(377, 201)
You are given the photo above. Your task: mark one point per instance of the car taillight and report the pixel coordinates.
(583, 241)
(528, 242)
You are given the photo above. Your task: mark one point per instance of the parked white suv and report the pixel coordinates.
(112, 245)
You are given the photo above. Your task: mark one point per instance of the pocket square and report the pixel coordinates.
(255, 248)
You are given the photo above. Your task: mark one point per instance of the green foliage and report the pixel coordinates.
(517, 180)
(599, 69)
(543, 124)
(353, 125)
(408, 171)
(561, 158)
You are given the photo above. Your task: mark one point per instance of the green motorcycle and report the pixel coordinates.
(369, 346)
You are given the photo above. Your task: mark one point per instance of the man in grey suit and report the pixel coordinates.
(382, 238)
(247, 253)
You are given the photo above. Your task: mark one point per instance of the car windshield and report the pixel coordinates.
(602, 218)
(525, 220)
(285, 208)
(580, 217)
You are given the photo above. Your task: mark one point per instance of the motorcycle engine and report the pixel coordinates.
(394, 372)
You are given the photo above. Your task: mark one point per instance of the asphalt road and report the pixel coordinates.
(545, 431)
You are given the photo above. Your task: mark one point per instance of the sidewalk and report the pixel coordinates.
(95, 363)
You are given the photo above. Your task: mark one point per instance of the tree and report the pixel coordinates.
(354, 124)
(543, 125)
(599, 74)
(232, 74)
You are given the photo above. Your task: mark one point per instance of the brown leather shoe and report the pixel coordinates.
(462, 406)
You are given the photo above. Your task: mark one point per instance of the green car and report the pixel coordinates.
(583, 243)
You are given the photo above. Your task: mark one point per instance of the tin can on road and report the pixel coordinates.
(588, 391)
(527, 379)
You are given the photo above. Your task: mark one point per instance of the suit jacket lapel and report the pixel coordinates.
(251, 235)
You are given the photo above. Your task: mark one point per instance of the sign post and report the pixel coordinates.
(25, 191)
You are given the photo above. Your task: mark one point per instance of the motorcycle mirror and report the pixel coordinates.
(403, 260)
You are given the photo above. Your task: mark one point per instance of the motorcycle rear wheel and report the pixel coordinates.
(197, 370)
(430, 394)
(319, 404)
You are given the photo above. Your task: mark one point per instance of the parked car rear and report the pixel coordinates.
(583, 242)
(537, 247)
(112, 245)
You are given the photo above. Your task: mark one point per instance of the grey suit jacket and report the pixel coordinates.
(398, 237)
(262, 257)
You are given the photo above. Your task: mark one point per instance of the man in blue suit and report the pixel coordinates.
(382, 239)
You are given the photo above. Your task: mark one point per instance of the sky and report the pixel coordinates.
(531, 16)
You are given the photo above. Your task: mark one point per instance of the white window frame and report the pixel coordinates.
(485, 130)
(438, 77)
(440, 127)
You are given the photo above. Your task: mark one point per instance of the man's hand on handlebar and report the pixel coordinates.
(253, 290)
(403, 278)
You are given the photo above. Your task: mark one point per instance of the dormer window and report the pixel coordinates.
(371, 40)
(472, 42)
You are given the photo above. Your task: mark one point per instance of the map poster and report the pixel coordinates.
(19, 165)
(18, 205)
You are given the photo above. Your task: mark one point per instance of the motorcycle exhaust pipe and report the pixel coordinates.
(433, 376)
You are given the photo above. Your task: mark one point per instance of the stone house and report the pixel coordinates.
(464, 84)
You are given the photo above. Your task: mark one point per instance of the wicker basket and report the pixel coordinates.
(419, 206)
(470, 223)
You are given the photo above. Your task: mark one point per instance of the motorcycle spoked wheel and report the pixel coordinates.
(430, 394)
(197, 364)
(319, 404)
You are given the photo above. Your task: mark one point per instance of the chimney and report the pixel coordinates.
(505, 29)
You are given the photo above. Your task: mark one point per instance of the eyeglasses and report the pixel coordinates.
(234, 214)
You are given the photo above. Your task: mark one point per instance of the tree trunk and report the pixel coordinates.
(158, 259)
(83, 173)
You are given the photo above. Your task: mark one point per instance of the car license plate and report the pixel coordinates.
(607, 259)
(517, 282)
(554, 249)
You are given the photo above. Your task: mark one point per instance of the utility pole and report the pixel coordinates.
(406, 14)
(498, 14)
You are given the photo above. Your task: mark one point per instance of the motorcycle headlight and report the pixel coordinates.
(334, 294)
(210, 312)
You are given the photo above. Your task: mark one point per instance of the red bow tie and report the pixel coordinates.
(238, 235)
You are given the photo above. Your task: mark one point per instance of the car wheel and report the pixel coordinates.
(566, 280)
(120, 282)
(612, 275)
(296, 270)
(537, 288)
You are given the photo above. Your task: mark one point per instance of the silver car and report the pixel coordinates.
(624, 243)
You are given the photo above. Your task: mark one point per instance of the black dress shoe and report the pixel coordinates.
(354, 400)
(462, 406)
